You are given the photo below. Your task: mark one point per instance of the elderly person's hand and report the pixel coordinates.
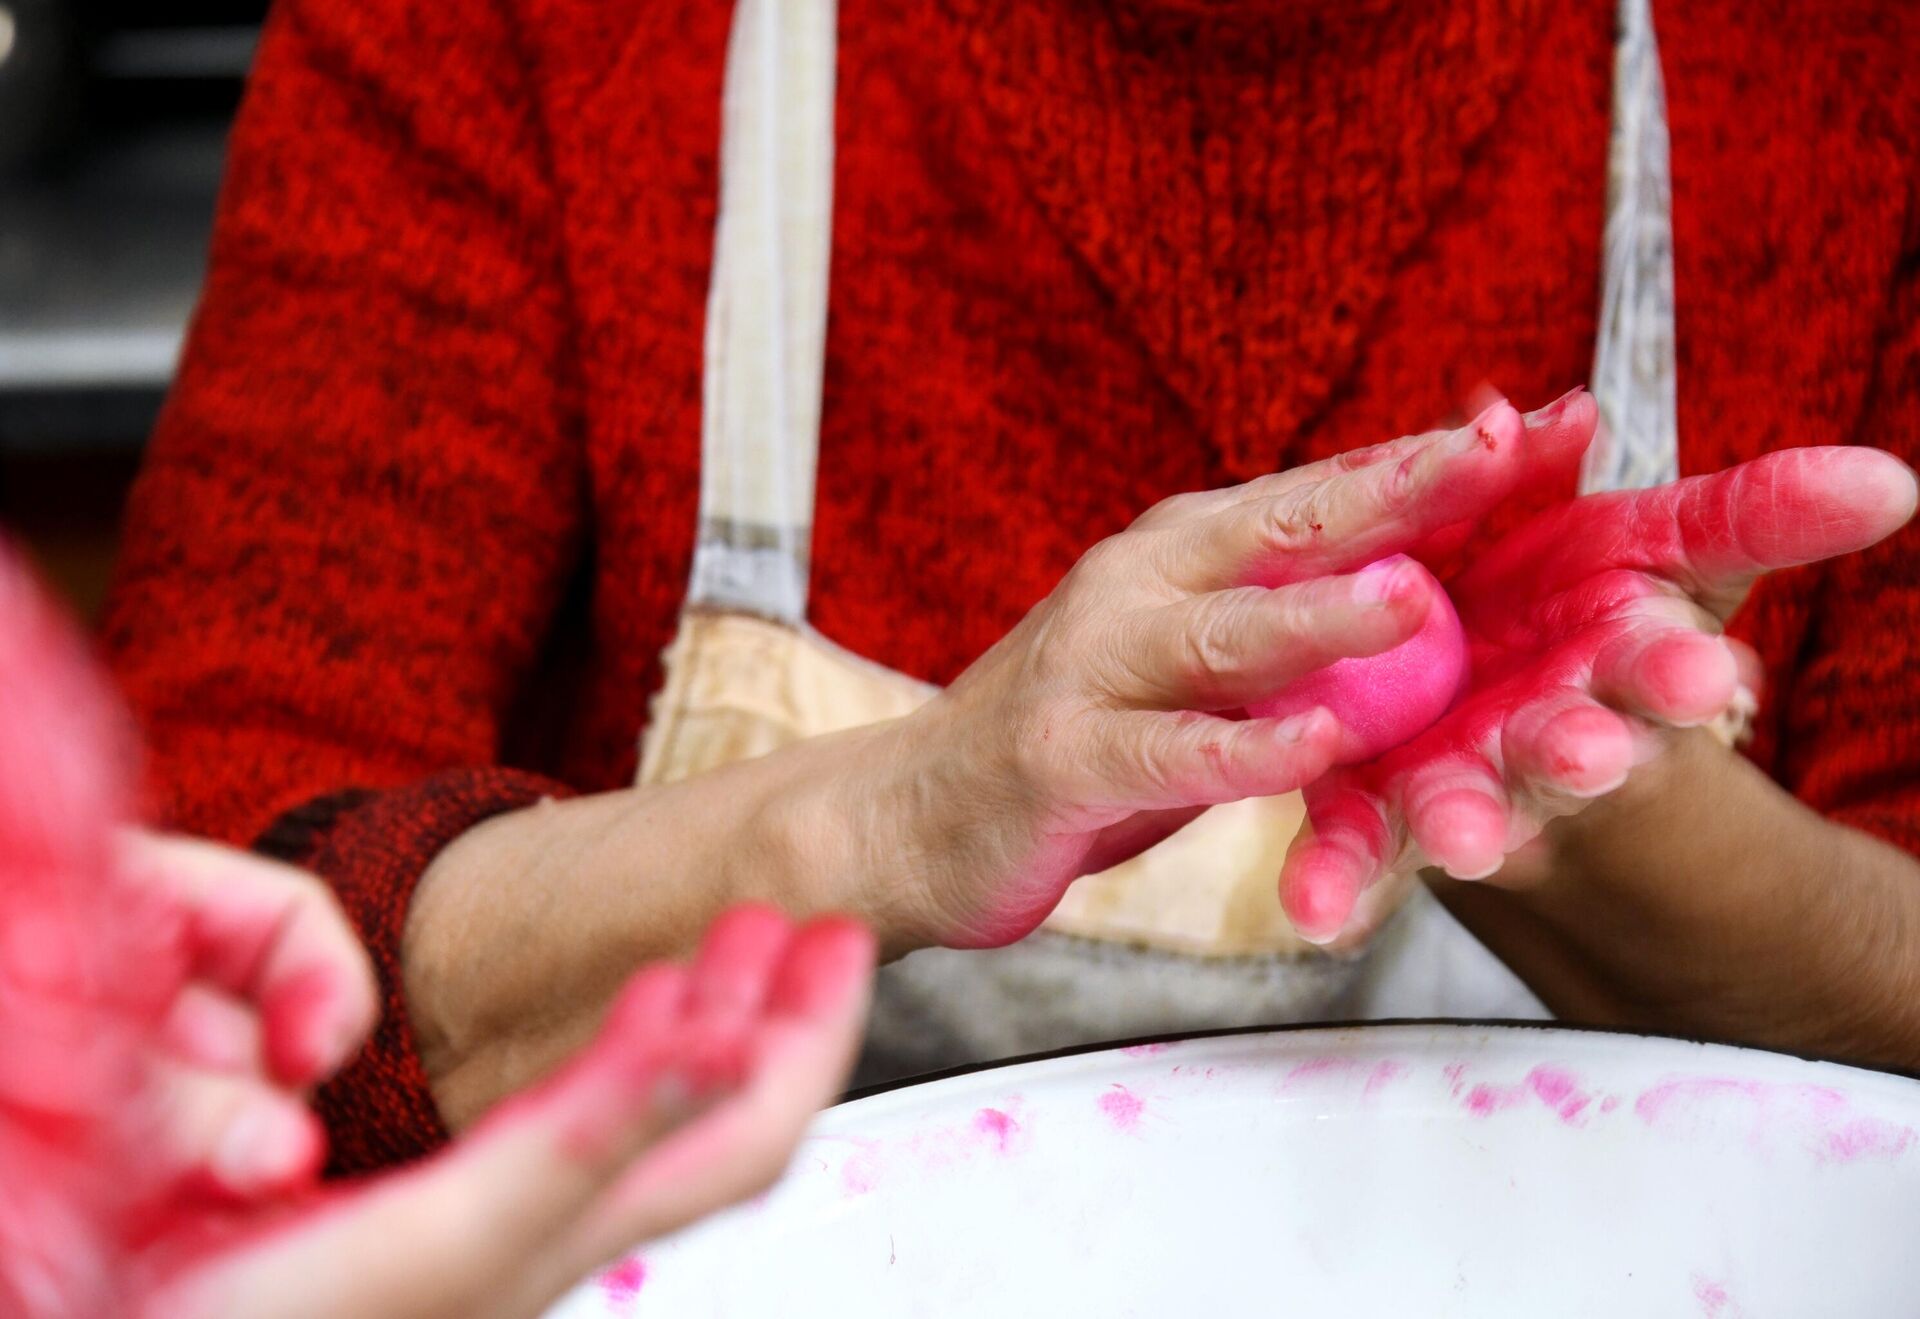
(1594, 635)
(1111, 715)
(165, 1003)
(1115, 710)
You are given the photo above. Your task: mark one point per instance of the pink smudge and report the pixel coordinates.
(1713, 1298)
(860, 1172)
(1316, 1069)
(1324, 1073)
(1555, 1087)
(1453, 1072)
(1382, 1076)
(999, 1127)
(1819, 1119)
(1144, 1050)
(621, 1284)
(1122, 1108)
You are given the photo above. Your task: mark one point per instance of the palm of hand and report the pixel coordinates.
(1592, 628)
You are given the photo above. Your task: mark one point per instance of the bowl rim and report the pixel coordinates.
(1504, 1024)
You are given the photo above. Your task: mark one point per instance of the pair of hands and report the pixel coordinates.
(1116, 710)
(165, 1005)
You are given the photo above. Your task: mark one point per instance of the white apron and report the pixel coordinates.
(1188, 935)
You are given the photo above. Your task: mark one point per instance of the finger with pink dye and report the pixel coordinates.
(272, 936)
(559, 1180)
(476, 1231)
(1564, 747)
(1667, 672)
(1344, 850)
(803, 1051)
(229, 1133)
(1458, 814)
(1353, 517)
(1711, 534)
(736, 963)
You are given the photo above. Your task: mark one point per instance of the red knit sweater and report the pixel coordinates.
(414, 525)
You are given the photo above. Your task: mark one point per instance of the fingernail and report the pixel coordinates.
(1551, 413)
(1381, 584)
(264, 1145)
(1294, 729)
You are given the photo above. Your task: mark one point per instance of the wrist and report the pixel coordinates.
(853, 825)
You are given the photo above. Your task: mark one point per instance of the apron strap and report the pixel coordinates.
(767, 312)
(1633, 357)
(767, 306)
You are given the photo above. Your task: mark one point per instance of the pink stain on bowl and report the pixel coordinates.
(1341, 1073)
(1713, 1298)
(1315, 1070)
(1144, 1050)
(1000, 1128)
(1818, 1119)
(1557, 1088)
(1122, 1107)
(621, 1284)
(1383, 1075)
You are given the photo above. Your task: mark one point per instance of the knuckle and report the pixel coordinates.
(1173, 508)
(1292, 524)
(1103, 560)
(1214, 648)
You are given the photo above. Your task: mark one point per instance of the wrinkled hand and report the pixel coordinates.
(1594, 631)
(1109, 716)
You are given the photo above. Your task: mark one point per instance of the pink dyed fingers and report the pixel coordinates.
(272, 936)
(1462, 797)
(1713, 534)
(1350, 518)
(1349, 840)
(1667, 672)
(805, 1046)
(1223, 650)
(1355, 514)
(690, 1096)
(231, 1133)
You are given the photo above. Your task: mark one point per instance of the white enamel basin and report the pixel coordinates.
(1404, 1170)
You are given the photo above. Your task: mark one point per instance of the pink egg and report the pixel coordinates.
(1386, 699)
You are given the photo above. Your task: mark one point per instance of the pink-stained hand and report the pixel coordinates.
(1593, 630)
(164, 1004)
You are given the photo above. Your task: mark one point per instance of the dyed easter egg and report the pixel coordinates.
(1386, 699)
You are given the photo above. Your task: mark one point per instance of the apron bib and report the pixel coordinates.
(1189, 934)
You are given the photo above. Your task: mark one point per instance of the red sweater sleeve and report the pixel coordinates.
(1843, 729)
(364, 497)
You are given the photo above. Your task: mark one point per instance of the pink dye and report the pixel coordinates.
(1382, 1076)
(998, 1127)
(1122, 1108)
(1818, 1119)
(1554, 1087)
(1713, 1298)
(1384, 700)
(1544, 608)
(1144, 1050)
(622, 1283)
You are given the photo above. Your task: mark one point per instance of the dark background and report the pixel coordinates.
(113, 118)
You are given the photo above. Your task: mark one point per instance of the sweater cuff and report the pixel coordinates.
(372, 848)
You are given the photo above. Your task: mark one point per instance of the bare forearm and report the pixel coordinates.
(524, 927)
(1702, 898)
